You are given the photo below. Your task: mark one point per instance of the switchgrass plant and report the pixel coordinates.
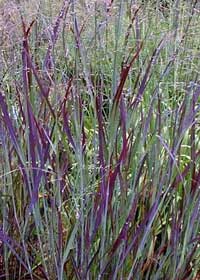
(99, 141)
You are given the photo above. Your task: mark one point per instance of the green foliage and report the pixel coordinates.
(99, 140)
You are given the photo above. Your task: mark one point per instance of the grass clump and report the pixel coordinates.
(99, 140)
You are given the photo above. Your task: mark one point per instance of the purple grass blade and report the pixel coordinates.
(101, 145)
(147, 221)
(179, 177)
(8, 124)
(189, 119)
(101, 194)
(11, 244)
(195, 214)
(83, 138)
(82, 52)
(21, 111)
(44, 89)
(123, 77)
(66, 126)
(54, 36)
(156, 90)
(67, 93)
(123, 233)
(146, 77)
(32, 133)
(188, 262)
(113, 174)
(123, 118)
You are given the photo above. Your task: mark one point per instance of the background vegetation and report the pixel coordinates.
(99, 140)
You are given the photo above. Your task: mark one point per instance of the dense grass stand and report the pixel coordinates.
(99, 140)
